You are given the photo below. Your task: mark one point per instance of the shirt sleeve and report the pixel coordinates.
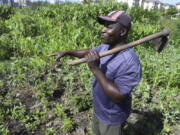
(97, 48)
(128, 77)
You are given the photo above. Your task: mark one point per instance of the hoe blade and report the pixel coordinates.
(160, 43)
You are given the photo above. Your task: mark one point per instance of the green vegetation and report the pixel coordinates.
(67, 123)
(40, 96)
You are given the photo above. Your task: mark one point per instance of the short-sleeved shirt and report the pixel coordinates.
(124, 70)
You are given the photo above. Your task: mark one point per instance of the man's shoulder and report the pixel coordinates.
(103, 45)
(125, 60)
(129, 56)
(101, 48)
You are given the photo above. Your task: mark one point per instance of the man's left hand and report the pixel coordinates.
(93, 60)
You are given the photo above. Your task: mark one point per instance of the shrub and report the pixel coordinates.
(6, 11)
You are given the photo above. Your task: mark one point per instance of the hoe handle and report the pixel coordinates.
(164, 32)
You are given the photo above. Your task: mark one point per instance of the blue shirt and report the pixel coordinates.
(124, 70)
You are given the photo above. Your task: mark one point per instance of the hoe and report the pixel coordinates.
(160, 40)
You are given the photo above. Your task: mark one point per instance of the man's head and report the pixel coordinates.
(117, 24)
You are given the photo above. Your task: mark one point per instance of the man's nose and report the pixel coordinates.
(104, 30)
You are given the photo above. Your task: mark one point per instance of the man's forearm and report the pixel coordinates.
(77, 53)
(109, 88)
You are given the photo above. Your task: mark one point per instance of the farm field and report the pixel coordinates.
(39, 96)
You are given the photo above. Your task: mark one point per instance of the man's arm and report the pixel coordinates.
(78, 53)
(75, 53)
(109, 88)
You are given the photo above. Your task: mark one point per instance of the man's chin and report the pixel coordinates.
(104, 42)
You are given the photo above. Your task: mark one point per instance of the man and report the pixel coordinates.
(115, 75)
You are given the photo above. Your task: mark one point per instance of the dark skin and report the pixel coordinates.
(114, 35)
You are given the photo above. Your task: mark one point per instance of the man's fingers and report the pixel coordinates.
(91, 56)
(96, 54)
(58, 57)
(87, 57)
(52, 54)
(55, 54)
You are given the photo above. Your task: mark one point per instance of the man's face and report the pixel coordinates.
(111, 33)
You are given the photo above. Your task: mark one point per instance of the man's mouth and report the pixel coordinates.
(102, 36)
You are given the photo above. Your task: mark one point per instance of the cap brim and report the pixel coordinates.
(104, 19)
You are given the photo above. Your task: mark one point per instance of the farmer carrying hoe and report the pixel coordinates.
(115, 75)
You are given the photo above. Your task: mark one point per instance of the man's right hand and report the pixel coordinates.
(58, 55)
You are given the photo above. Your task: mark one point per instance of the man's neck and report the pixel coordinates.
(116, 45)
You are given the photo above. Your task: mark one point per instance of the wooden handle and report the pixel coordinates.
(164, 32)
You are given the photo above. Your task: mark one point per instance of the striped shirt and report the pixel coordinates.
(124, 70)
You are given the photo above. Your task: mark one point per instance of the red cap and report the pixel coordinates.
(116, 16)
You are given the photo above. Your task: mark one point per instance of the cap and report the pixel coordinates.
(116, 16)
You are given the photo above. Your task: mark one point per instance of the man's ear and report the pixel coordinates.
(123, 31)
